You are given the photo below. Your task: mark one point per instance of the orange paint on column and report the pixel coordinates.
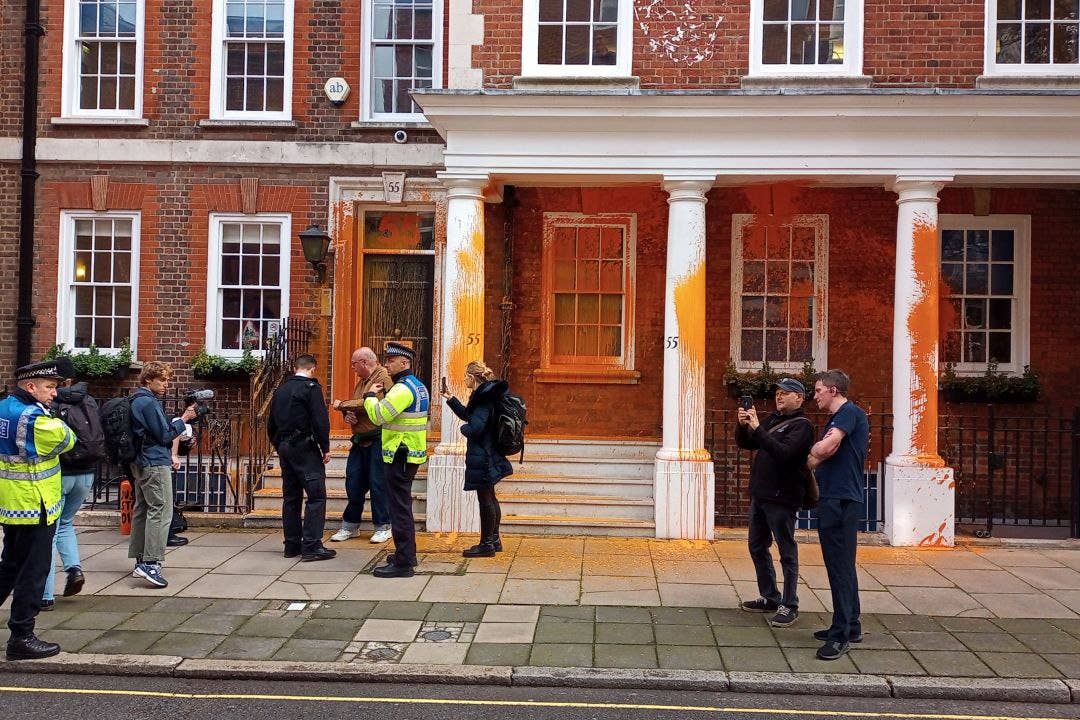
(467, 300)
(690, 314)
(923, 328)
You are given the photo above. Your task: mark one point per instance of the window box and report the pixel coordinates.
(758, 383)
(205, 366)
(990, 387)
(94, 364)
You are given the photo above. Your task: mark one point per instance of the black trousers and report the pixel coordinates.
(399, 480)
(490, 514)
(768, 522)
(838, 531)
(24, 568)
(302, 474)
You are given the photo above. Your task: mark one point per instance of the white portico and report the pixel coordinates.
(911, 143)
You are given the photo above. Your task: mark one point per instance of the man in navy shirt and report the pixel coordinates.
(838, 461)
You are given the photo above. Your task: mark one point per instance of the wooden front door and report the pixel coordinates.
(398, 305)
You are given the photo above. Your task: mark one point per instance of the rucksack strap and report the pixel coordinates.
(789, 422)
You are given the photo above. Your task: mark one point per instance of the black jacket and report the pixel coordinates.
(778, 471)
(299, 408)
(484, 465)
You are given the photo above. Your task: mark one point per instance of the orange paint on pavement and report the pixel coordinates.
(923, 328)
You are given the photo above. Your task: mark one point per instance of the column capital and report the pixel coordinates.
(918, 187)
(688, 187)
(464, 186)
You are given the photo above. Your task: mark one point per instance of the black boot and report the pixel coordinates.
(30, 647)
(484, 549)
(75, 581)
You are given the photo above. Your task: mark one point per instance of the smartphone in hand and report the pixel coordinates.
(442, 385)
(746, 402)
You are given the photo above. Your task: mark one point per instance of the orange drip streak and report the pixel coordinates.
(922, 326)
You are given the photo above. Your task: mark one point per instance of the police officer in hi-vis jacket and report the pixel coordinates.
(403, 415)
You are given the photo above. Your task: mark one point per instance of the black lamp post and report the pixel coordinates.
(316, 244)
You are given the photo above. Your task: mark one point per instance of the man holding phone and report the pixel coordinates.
(782, 440)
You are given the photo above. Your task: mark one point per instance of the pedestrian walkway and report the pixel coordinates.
(575, 602)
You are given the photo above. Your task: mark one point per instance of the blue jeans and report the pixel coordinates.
(364, 471)
(73, 490)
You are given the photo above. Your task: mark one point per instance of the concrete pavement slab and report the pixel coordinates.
(906, 575)
(71, 640)
(986, 581)
(758, 659)
(1049, 578)
(960, 624)
(999, 642)
(697, 595)
(1018, 664)
(181, 605)
(625, 634)
(369, 587)
(556, 567)
(123, 642)
(505, 632)
(551, 547)
(688, 657)
(509, 654)
(624, 656)
(511, 613)
(282, 590)
(95, 620)
(618, 565)
(935, 600)
(929, 641)
(231, 538)
(212, 624)
(735, 636)
(436, 653)
(558, 630)
(690, 571)
(529, 592)
(1060, 642)
(308, 650)
(635, 591)
(400, 610)
(260, 563)
(572, 612)
(684, 635)
(1017, 605)
(623, 615)
(804, 660)
(178, 579)
(388, 630)
(162, 621)
(471, 587)
(1066, 664)
(328, 629)
(227, 586)
(885, 662)
(955, 559)
(1028, 625)
(186, 645)
(561, 655)
(952, 663)
(247, 648)
(270, 626)
(347, 609)
(201, 556)
(1011, 557)
(456, 612)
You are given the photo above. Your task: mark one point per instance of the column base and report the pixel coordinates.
(449, 508)
(920, 504)
(683, 497)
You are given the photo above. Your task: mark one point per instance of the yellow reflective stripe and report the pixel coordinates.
(422, 414)
(28, 475)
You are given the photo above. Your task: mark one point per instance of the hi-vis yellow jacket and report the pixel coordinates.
(31, 441)
(403, 417)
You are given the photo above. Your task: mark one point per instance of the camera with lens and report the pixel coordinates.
(200, 399)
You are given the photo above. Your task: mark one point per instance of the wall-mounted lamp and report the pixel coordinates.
(316, 244)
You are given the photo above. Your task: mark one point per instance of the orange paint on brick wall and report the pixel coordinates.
(922, 325)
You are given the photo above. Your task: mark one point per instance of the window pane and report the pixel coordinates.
(275, 59)
(230, 335)
(126, 24)
(831, 44)
(102, 267)
(753, 311)
(109, 58)
(121, 267)
(381, 26)
(776, 10)
(82, 266)
(802, 313)
(422, 24)
(551, 10)
(952, 244)
(753, 345)
(1037, 43)
(801, 346)
(122, 302)
(88, 14)
(588, 309)
(234, 19)
(250, 273)
(611, 309)
(275, 94)
(1001, 245)
(611, 246)
(565, 308)
(275, 20)
(1066, 9)
(1008, 9)
(588, 242)
(107, 20)
(778, 281)
(802, 44)
(84, 332)
(577, 45)
(952, 274)
(402, 100)
(779, 243)
(1008, 43)
(754, 277)
(423, 61)
(1001, 279)
(776, 312)
(103, 334)
(1065, 43)
(774, 45)
(253, 98)
(234, 94)
(1001, 347)
(754, 242)
(587, 340)
(578, 10)
(803, 9)
(604, 44)
(802, 279)
(609, 341)
(403, 61)
(776, 345)
(564, 340)
(1037, 9)
(84, 300)
(103, 301)
(230, 303)
(1000, 314)
(588, 275)
(611, 275)
(256, 59)
(950, 347)
(127, 58)
(831, 9)
(976, 279)
(978, 245)
(975, 314)
(975, 347)
(271, 270)
(606, 10)
(271, 304)
(564, 275)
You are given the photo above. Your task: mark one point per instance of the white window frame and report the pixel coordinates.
(1021, 318)
(217, 70)
(213, 273)
(853, 47)
(69, 76)
(65, 295)
(991, 67)
(820, 329)
(624, 47)
(367, 64)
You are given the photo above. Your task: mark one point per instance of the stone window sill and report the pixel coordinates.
(1027, 82)
(629, 83)
(771, 82)
(248, 124)
(99, 122)
(389, 125)
(588, 376)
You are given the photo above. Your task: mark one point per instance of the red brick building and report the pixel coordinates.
(609, 199)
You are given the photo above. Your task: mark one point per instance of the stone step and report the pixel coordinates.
(628, 487)
(570, 525)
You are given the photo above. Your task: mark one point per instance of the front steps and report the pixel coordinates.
(575, 487)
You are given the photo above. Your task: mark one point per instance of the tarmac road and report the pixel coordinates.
(83, 697)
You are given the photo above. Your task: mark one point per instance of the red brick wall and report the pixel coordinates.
(913, 42)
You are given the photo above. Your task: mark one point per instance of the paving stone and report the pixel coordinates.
(269, 626)
(685, 657)
(615, 614)
(624, 633)
(554, 630)
(306, 650)
(392, 610)
(929, 641)
(885, 662)
(911, 623)
(679, 616)
(561, 655)
(511, 614)
(344, 609)
(684, 635)
(510, 632)
(212, 624)
(499, 654)
(625, 656)
(1030, 626)
(1067, 664)
(94, 620)
(1018, 664)
(436, 653)
(248, 648)
(991, 642)
(153, 621)
(763, 659)
(741, 618)
(236, 607)
(122, 642)
(181, 605)
(804, 660)
(952, 663)
(456, 612)
(795, 638)
(120, 603)
(528, 592)
(880, 641)
(744, 637)
(388, 630)
(1058, 642)
(71, 640)
(572, 612)
(960, 624)
(186, 645)
(51, 619)
(328, 629)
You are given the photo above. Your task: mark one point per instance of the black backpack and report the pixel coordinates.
(85, 422)
(508, 430)
(121, 444)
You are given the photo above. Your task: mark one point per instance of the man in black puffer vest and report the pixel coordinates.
(777, 481)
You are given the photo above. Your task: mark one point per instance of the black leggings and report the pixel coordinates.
(490, 514)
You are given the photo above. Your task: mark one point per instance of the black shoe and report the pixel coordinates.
(498, 544)
(784, 617)
(291, 553)
(831, 651)
(176, 541)
(481, 550)
(30, 648)
(823, 636)
(320, 554)
(75, 581)
(47, 605)
(390, 570)
(760, 605)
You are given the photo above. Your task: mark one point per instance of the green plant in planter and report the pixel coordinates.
(991, 386)
(208, 367)
(758, 383)
(94, 364)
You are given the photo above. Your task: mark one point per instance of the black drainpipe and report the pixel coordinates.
(24, 321)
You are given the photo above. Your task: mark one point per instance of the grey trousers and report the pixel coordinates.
(153, 513)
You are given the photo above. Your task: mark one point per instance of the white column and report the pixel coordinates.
(919, 489)
(449, 508)
(683, 488)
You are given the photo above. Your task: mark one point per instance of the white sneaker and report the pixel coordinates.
(344, 534)
(381, 536)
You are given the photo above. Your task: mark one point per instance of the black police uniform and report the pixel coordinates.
(299, 427)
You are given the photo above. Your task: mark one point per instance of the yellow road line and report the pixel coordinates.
(511, 703)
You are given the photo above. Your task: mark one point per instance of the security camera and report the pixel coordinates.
(401, 136)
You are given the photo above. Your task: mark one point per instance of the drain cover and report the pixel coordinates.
(436, 635)
(383, 653)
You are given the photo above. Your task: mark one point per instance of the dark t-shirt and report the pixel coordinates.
(841, 476)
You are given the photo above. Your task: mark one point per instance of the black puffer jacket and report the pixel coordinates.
(777, 473)
(484, 465)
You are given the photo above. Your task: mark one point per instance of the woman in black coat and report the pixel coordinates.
(484, 464)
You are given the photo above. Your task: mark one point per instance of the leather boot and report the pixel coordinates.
(75, 581)
(30, 648)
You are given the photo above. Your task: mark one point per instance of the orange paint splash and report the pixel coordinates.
(467, 301)
(690, 313)
(935, 539)
(923, 327)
